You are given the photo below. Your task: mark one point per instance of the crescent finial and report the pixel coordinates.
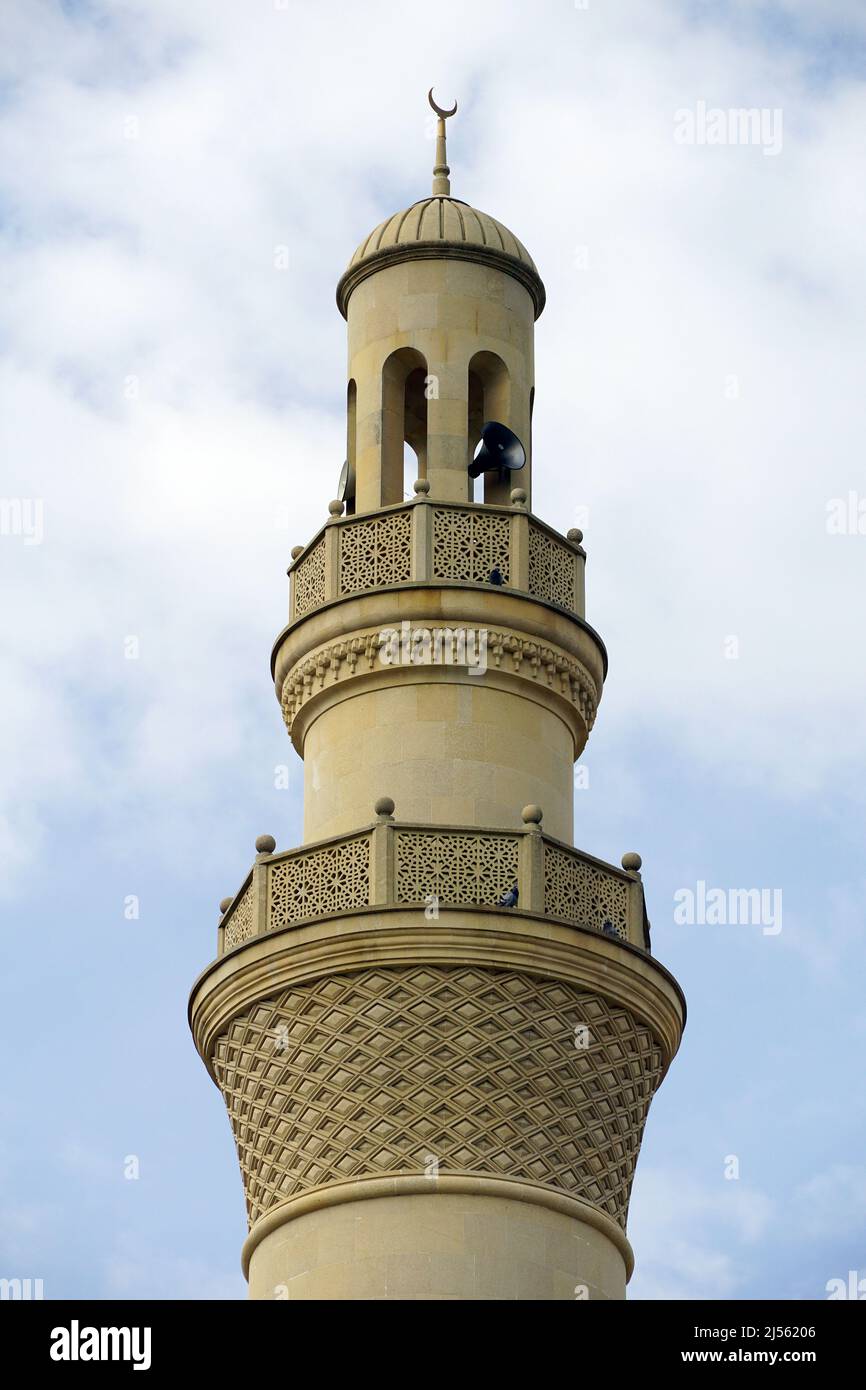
(441, 181)
(438, 109)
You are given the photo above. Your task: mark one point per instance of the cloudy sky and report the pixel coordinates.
(171, 407)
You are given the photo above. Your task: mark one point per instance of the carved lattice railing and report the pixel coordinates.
(237, 924)
(396, 864)
(453, 866)
(438, 542)
(584, 890)
(309, 590)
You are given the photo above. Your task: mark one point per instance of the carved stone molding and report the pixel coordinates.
(397, 935)
(359, 654)
(447, 1184)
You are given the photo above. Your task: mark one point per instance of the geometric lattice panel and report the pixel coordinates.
(377, 552)
(469, 545)
(455, 868)
(239, 926)
(582, 893)
(487, 1071)
(320, 881)
(310, 580)
(551, 569)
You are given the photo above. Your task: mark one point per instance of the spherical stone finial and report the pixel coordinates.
(335, 507)
(265, 844)
(631, 862)
(297, 550)
(532, 815)
(575, 535)
(421, 486)
(225, 904)
(518, 496)
(384, 807)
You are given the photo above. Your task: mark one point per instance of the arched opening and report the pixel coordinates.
(351, 443)
(489, 398)
(404, 421)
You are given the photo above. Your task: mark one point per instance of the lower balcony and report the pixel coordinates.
(390, 863)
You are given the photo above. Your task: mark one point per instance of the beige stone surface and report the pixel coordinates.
(435, 1094)
(440, 1246)
(447, 316)
(475, 753)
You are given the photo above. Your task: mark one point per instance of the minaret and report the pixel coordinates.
(437, 1025)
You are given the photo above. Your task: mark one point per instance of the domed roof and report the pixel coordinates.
(442, 219)
(441, 226)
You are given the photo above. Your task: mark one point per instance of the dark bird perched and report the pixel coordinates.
(496, 575)
(609, 929)
(509, 898)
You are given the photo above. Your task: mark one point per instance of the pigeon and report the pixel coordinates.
(509, 898)
(496, 575)
(609, 929)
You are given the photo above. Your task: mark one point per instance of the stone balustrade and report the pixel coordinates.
(391, 864)
(427, 542)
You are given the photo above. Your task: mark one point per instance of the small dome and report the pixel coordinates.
(442, 219)
(441, 226)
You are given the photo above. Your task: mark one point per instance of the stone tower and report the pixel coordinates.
(437, 1091)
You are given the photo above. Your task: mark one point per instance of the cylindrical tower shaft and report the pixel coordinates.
(436, 1024)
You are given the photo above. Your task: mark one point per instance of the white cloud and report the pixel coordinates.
(151, 162)
(692, 1240)
(832, 1204)
(152, 258)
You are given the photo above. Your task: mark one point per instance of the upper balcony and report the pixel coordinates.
(442, 543)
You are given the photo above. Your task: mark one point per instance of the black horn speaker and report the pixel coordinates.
(498, 451)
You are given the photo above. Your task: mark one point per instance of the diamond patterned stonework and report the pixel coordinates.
(487, 1071)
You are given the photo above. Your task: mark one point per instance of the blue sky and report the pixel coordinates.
(175, 402)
